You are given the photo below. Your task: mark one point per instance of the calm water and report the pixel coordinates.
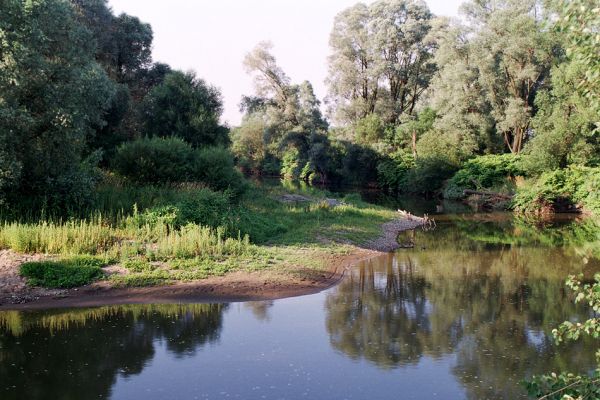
(465, 314)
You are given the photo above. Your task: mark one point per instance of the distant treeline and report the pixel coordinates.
(412, 99)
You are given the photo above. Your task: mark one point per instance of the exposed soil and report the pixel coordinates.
(270, 284)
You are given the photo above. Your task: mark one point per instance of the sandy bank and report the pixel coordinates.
(270, 284)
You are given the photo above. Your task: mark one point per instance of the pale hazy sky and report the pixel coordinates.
(211, 37)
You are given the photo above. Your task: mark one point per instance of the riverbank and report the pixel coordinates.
(323, 240)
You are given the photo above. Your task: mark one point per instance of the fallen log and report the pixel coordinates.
(485, 193)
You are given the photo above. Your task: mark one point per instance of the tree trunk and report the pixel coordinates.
(414, 144)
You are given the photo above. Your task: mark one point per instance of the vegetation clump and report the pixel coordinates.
(64, 274)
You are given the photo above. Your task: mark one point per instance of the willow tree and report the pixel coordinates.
(380, 61)
(282, 121)
(457, 94)
(513, 53)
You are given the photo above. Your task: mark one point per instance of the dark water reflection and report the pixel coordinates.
(466, 313)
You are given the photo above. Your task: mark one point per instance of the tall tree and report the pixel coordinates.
(456, 93)
(513, 53)
(52, 95)
(381, 59)
(186, 107)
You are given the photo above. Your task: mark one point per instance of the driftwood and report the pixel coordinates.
(484, 193)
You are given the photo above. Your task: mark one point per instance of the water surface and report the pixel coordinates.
(464, 314)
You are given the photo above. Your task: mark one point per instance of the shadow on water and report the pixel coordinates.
(78, 354)
(487, 293)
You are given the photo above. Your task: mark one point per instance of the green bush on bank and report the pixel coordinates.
(68, 273)
(392, 171)
(483, 172)
(155, 161)
(575, 185)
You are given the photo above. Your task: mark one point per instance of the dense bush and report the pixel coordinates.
(483, 172)
(67, 273)
(171, 160)
(214, 167)
(202, 207)
(392, 171)
(562, 188)
(428, 175)
(155, 160)
(185, 107)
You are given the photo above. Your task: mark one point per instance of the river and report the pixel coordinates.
(465, 313)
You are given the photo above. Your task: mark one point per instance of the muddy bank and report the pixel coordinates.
(274, 283)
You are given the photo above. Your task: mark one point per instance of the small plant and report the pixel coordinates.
(66, 273)
(138, 265)
(568, 386)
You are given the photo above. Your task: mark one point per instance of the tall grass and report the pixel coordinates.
(73, 237)
(121, 239)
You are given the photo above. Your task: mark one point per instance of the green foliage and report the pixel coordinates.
(214, 167)
(483, 172)
(429, 175)
(53, 94)
(566, 385)
(185, 107)
(512, 53)
(410, 131)
(564, 187)
(171, 160)
(137, 265)
(380, 63)
(578, 22)
(204, 207)
(291, 165)
(392, 171)
(155, 160)
(565, 125)
(67, 273)
(370, 129)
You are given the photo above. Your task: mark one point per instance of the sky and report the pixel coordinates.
(211, 37)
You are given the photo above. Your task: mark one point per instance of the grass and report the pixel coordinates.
(258, 232)
(67, 273)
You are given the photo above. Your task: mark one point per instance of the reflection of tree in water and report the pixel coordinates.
(78, 354)
(260, 309)
(493, 305)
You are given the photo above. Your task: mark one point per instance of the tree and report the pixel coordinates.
(579, 21)
(52, 95)
(564, 125)
(186, 107)
(457, 95)
(410, 132)
(513, 54)
(381, 59)
(282, 121)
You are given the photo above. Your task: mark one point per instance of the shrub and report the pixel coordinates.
(171, 160)
(155, 160)
(66, 273)
(483, 172)
(393, 170)
(562, 187)
(214, 167)
(291, 165)
(204, 207)
(428, 176)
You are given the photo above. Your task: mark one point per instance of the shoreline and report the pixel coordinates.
(236, 286)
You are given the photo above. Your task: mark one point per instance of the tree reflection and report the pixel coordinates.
(79, 354)
(490, 304)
